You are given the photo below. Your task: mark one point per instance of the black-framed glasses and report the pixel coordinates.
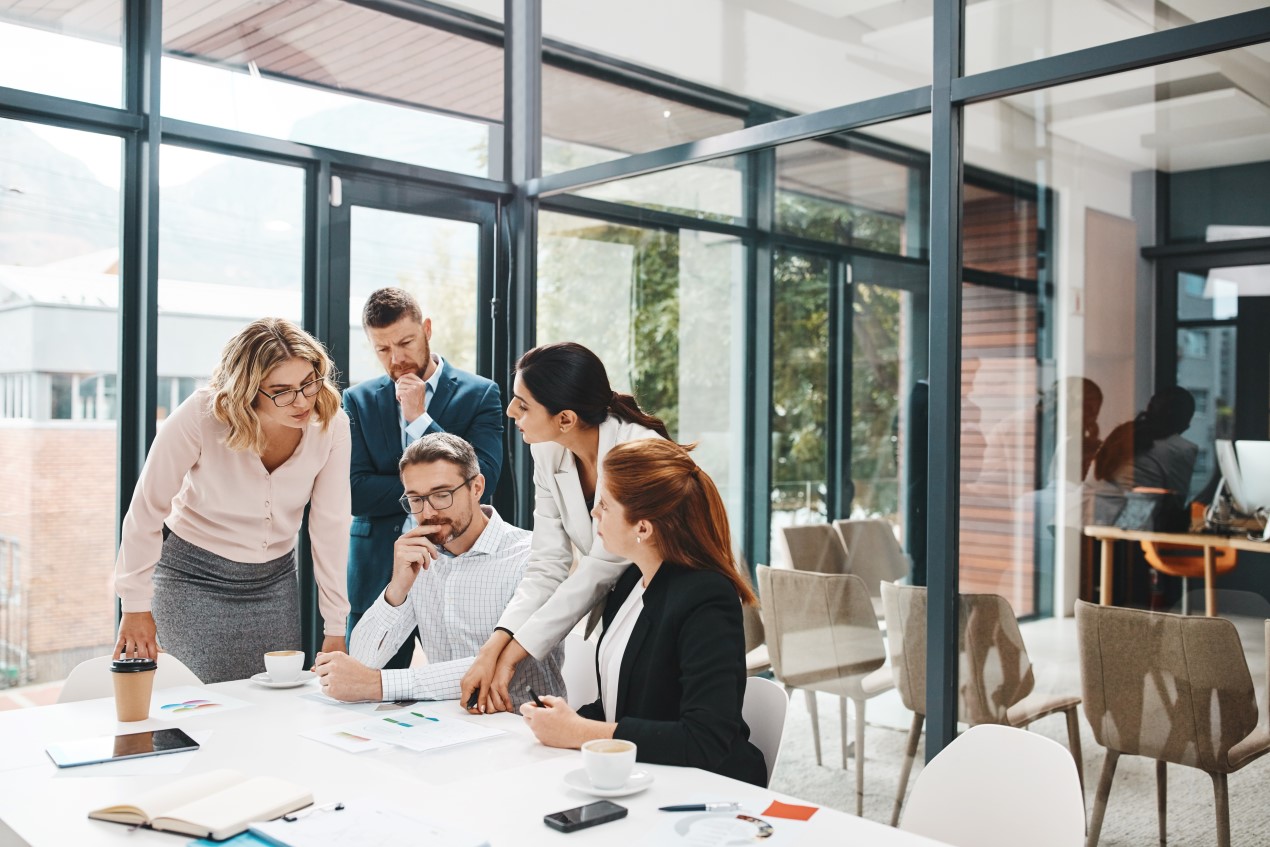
(439, 500)
(286, 398)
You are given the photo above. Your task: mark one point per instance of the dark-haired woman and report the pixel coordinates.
(1150, 452)
(567, 412)
(672, 657)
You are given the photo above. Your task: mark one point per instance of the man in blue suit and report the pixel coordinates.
(420, 393)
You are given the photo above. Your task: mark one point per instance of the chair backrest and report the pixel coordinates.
(906, 637)
(764, 713)
(873, 554)
(578, 670)
(815, 547)
(996, 786)
(752, 620)
(994, 670)
(91, 678)
(820, 628)
(1170, 687)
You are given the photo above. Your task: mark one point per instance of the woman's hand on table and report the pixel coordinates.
(138, 637)
(556, 724)
(334, 644)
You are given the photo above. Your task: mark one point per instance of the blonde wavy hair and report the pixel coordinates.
(246, 361)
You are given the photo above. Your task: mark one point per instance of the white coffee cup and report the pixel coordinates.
(608, 762)
(284, 665)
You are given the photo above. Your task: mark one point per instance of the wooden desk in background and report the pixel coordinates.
(1209, 543)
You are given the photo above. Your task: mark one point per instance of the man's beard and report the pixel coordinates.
(448, 531)
(417, 370)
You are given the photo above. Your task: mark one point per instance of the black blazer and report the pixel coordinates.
(682, 679)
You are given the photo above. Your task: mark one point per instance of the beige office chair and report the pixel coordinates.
(91, 678)
(997, 786)
(822, 635)
(995, 684)
(1171, 688)
(757, 660)
(873, 554)
(814, 547)
(764, 711)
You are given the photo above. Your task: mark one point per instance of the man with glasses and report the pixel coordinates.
(419, 393)
(452, 576)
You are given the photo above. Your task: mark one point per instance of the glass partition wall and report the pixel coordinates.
(903, 262)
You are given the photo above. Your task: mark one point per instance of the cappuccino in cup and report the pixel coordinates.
(608, 762)
(284, 665)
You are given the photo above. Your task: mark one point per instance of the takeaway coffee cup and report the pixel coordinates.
(608, 762)
(134, 680)
(284, 665)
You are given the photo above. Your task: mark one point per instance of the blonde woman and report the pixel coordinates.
(206, 566)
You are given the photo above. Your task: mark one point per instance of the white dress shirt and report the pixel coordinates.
(613, 648)
(416, 429)
(455, 603)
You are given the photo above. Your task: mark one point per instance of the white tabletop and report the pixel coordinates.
(498, 788)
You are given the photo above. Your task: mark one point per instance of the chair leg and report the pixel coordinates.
(914, 734)
(842, 720)
(1186, 596)
(1100, 799)
(859, 758)
(1073, 742)
(815, 720)
(1162, 798)
(1221, 799)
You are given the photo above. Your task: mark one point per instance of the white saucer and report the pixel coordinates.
(262, 678)
(638, 781)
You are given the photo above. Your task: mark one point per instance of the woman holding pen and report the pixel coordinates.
(672, 657)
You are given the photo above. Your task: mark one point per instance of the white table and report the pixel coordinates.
(498, 788)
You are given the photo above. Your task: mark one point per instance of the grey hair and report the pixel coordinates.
(441, 447)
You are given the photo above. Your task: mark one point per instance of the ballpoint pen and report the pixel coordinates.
(703, 807)
(537, 702)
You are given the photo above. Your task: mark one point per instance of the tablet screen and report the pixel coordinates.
(108, 748)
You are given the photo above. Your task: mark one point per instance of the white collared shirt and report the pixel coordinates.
(613, 648)
(414, 430)
(455, 603)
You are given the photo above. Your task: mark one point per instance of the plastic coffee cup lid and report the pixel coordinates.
(132, 665)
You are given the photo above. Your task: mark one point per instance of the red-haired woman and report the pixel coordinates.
(672, 656)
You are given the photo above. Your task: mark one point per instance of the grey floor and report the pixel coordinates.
(1131, 810)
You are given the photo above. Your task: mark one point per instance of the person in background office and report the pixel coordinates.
(671, 659)
(206, 565)
(567, 412)
(1150, 452)
(419, 393)
(452, 576)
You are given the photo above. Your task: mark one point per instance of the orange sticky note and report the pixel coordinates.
(790, 811)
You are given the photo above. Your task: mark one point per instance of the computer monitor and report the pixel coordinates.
(1230, 473)
(1254, 474)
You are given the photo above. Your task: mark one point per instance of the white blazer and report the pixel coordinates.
(550, 600)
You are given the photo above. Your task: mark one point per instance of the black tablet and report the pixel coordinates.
(110, 748)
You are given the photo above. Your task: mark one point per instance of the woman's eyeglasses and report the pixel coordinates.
(286, 398)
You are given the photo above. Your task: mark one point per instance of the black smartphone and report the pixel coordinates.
(592, 814)
(93, 751)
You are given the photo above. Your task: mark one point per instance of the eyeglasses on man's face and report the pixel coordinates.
(439, 500)
(286, 398)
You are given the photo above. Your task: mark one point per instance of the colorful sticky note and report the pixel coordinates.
(790, 811)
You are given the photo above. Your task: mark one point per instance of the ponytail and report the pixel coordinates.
(569, 376)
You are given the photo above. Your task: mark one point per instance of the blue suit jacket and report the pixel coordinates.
(465, 404)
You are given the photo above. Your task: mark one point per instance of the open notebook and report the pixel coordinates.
(217, 804)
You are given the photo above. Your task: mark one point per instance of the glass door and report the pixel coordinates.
(438, 247)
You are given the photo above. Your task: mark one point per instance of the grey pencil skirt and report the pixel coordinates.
(219, 616)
